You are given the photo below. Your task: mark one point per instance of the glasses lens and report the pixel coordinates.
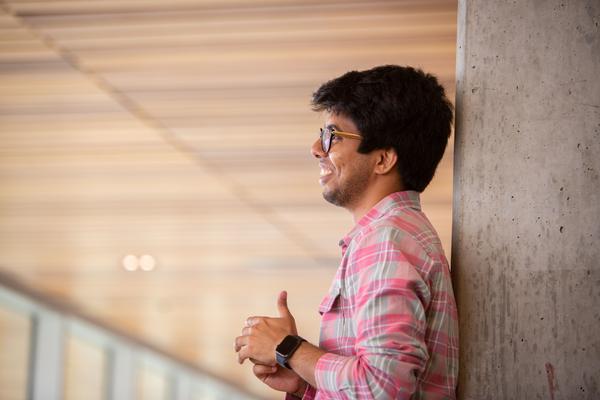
(325, 139)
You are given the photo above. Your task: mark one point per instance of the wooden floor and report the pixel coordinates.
(181, 129)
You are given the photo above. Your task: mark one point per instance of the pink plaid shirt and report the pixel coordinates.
(389, 322)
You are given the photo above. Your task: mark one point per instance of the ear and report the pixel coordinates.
(386, 161)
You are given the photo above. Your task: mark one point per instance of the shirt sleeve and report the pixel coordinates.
(309, 394)
(388, 300)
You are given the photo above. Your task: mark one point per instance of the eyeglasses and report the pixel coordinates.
(327, 135)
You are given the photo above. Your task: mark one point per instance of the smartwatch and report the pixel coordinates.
(286, 349)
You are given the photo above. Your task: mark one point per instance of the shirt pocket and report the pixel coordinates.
(336, 333)
(331, 300)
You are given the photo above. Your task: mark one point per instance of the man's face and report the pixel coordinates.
(345, 173)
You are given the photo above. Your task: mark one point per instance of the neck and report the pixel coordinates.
(371, 197)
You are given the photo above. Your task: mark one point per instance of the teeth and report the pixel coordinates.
(325, 171)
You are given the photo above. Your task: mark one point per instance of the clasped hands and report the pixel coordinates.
(259, 339)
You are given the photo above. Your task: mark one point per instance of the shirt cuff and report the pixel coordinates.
(327, 371)
(309, 394)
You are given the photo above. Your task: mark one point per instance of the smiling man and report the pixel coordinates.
(389, 325)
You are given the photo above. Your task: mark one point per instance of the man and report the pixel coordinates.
(389, 322)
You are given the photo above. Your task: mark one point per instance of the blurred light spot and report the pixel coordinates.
(147, 262)
(130, 262)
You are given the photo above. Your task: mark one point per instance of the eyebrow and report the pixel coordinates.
(332, 127)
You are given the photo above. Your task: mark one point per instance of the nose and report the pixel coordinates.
(316, 150)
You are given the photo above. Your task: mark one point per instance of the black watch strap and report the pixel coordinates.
(286, 349)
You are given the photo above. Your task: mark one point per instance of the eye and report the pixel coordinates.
(336, 138)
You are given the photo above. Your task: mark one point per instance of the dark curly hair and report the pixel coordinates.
(394, 107)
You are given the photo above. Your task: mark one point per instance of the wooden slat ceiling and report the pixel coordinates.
(182, 129)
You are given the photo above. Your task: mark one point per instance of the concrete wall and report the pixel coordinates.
(526, 236)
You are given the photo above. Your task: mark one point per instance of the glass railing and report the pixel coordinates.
(46, 354)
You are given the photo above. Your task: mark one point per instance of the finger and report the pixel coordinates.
(282, 305)
(255, 361)
(254, 320)
(243, 354)
(261, 370)
(247, 331)
(240, 342)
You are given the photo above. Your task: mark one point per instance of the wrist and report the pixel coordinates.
(299, 393)
(286, 349)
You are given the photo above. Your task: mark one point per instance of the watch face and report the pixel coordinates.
(288, 344)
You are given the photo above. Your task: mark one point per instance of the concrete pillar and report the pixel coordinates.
(526, 236)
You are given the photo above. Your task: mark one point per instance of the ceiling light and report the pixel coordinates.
(130, 262)
(147, 262)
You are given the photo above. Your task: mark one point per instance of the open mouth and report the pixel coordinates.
(325, 174)
(324, 171)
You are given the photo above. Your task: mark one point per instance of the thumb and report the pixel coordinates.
(282, 306)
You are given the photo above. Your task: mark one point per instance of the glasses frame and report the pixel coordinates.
(334, 132)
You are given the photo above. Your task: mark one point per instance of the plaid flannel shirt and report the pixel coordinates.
(389, 322)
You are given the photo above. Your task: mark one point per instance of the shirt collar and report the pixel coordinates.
(393, 201)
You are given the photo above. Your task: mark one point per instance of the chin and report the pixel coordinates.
(334, 197)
